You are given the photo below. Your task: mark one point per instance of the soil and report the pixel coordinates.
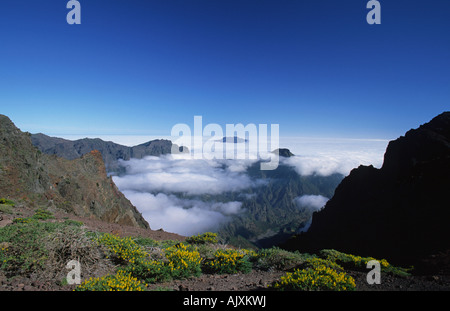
(253, 281)
(256, 280)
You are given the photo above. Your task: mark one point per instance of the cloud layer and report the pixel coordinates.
(162, 188)
(183, 216)
(327, 156)
(170, 174)
(168, 190)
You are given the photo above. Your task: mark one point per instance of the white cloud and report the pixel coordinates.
(327, 156)
(311, 203)
(152, 183)
(182, 216)
(170, 174)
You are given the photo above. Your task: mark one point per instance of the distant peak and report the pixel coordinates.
(234, 139)
(283, 152)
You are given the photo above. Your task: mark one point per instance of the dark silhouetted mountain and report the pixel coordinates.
(110, 151)
(234, 139)
(283, 152)
(399, 212)
(80, 186)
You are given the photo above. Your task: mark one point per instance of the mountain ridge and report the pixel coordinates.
(111, 152)
(80, 186)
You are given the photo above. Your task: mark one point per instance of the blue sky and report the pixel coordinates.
(315, 67)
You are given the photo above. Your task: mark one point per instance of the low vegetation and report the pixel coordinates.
(204, 238)
(6, 206)
(319, 277)
(37, 244)
(230, 261)
(350, 261)
(4, 201)
(121, 281)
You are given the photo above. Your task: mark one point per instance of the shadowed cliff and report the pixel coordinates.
(399, 212)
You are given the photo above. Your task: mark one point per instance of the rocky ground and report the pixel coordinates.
(259, 280)
(256, 280)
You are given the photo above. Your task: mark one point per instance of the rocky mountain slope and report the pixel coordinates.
(400, 211)
(78, 186)
(111, 152)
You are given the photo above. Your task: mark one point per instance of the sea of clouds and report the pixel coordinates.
(168, 190)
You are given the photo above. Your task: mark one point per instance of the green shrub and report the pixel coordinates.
(204, 238)
(5, 209)
(230, 261)
(146, 242)
(277, 258)
(349, 260)
(360, 263)
(26, 251)
(6, 206)
(317, 262)
(42, 214)
(151, 271)
(20, 220)
(71, 222)
(6, 202)
(150, 243)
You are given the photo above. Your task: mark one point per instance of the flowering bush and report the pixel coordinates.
(42, 214)
(358, 262)
(180, 261)
(4, 256)
(151, 271)
(121, 281)
(320, 277)
(230, 261)
(183, 262)
(315, 263)
(349, 259)
(124, 250)
(6, 201)
(20, 220)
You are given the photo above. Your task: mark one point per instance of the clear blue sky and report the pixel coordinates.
(315, 67)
